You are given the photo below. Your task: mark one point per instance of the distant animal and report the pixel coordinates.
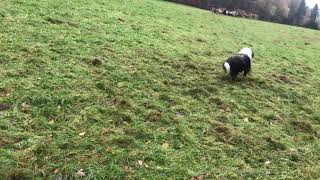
(233, 13)
(216, 10)
(238, 63)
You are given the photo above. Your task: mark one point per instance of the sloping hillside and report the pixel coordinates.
(134, 89)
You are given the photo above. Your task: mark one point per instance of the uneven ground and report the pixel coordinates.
(135, 89)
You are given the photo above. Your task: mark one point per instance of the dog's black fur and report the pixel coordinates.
(239, 63)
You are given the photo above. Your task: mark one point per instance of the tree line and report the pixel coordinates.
(292, 12)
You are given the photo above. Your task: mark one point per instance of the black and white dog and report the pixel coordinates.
(238, 63)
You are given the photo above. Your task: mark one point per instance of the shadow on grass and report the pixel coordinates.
(243, 82)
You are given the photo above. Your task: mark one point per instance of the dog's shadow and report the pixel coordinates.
(248, 81)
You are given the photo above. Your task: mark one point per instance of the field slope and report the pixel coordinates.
(135, 89)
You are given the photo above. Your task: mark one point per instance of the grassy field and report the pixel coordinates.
(135, 89)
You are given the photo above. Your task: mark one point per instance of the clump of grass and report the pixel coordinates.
(302, 126)
(13, 174)
(138, 92)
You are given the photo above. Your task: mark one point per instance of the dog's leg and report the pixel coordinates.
(245, 72)
(234, 76)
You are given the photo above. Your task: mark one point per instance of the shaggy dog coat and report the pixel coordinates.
(238, 63)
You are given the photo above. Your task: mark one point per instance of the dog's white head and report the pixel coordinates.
(227, 67)
(248, 52)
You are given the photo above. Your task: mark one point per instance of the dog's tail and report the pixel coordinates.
(226, 67)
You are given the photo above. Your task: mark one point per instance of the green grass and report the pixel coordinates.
(135, 89)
